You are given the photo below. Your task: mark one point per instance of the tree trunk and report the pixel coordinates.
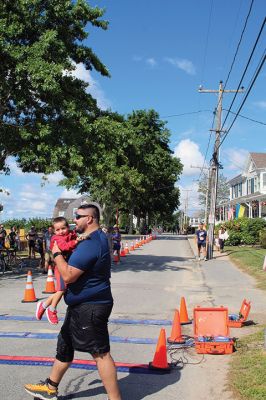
(131, 215)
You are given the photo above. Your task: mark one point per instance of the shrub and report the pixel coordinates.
(263, 238)
(244, 230)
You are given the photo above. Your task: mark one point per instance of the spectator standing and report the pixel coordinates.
(201, 238)
(116, 237)
(13, 238)
(89, 299)
(48, 259)
(2, 236)
(223, 236)
(31, 238)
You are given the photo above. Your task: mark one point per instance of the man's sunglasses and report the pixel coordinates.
(78, 216)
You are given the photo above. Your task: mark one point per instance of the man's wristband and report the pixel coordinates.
(57, 253)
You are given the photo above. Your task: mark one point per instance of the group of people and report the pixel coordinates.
(10, 240)
(202, 240)
(82, 268)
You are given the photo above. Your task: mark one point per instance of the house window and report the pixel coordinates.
(61, 213)
(264, 180)
(240, 189)
(256, 184)
(248, 186)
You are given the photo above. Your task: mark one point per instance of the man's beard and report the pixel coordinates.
(80, 230)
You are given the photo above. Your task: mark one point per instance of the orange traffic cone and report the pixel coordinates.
(122, 252)
(176, 335)
(183, 312)
(29, 294)
(140, 242)
(136, 245)
(160, 357)
(126, 248)
(132, 246)
(50, 286)
(115, 257)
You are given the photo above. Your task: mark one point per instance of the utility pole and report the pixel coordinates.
(215, 165)
(186, 206)
(207, 192)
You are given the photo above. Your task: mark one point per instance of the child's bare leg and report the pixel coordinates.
(56, 297)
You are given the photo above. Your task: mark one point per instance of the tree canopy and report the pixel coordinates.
(44, 109)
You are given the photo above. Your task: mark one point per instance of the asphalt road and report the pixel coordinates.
(147, 287)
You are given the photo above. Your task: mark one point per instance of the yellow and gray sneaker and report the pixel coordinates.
(41, 390)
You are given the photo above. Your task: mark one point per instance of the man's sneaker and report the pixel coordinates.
(41, 391)
(52, 316)
(199, 258)
(40, 310)
(205, 259)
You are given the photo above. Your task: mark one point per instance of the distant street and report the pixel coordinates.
(147, 285)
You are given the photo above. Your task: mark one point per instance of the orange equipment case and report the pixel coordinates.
(237, 321)
(211, 331)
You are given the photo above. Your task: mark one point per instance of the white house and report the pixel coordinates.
(247, 191)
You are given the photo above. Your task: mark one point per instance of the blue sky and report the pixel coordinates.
(158, 53)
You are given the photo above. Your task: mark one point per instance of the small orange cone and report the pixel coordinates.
(132, 246)
(126, 248)
(115, 257)
(176, 335)
(50, 286)
(136, 245)
(122, 252)
(160, 357)
(29, 294)
(183, 312)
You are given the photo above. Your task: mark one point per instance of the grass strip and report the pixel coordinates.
(250, 260)
(248, 368)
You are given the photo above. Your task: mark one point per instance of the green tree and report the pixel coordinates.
(223, 191)
(150, 154)
(45, 110)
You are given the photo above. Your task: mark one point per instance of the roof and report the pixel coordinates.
(62, 204)
(259, 159)
(235, 180)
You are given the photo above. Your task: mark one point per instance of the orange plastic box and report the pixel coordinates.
(211, 331)
(237, 321)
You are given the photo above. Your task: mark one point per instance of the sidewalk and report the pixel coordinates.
(228, 285)
(216, 254)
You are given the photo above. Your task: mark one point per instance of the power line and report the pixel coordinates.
(239, 42)
(186, 113)
(243, 116)
(245, 70)
(246, 96)
(214, 114)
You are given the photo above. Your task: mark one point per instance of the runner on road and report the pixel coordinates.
(201, 237)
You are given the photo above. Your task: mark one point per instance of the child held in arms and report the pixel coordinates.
(66, 241)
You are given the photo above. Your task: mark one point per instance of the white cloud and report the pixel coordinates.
(261, 104)
(72, 194)
(189, 154)
(183, 64)
(55, 178)
(236, 158)
(94, 87)
(189, 198)
(151, 62)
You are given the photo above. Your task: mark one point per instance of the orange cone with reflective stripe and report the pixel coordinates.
(122, 252)
(29, 294)
(50, 286)
(115, 257)
(160, 357)
(183, 312)
(126, 248)
(132, 246)
(176, 335)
